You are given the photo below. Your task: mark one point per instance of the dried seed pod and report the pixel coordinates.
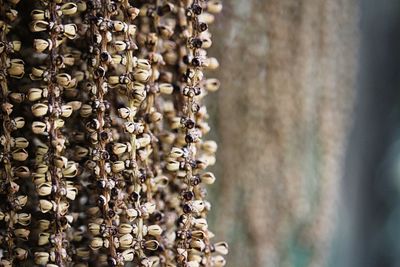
(126, 241)
(45, 205)
(16, 68)
(19, 154)
(39, 109)
(154, 230)
(39, 25)
(128, 255)
(208, 178)
(119, 148)
(151, 245)
(18, 122)
(131, 214)
(35, 94)
(214, 6)
(218, 261)
(166, 88)
(176, 153)
(42, 258)
(20, 254)
(141, 75)
(23, 219)
(44, 239)
(15, 46)
(221, 248)
(69, 9)
(66, 110)
(20, 142)
(96, 243)
(39, 127)
(212, 85)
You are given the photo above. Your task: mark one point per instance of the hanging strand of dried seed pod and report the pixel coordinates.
(134, 231)
(78, 247)
(153, 30)
(130, 231)
(52, 166)
(13, 148)
(98, 127)
(193, 238)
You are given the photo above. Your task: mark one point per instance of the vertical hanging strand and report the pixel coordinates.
(54, 134)
(13, 147)
(190, 158)
(136, 95)
(52, 167)
(99, 130)
(154, 29)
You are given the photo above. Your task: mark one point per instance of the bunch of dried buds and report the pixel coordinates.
(114, 103)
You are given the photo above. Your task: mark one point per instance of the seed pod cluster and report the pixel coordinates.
(14, 218)
(53, 171)
(190, 154)
(115, 126)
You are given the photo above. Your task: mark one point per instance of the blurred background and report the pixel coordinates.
(308, 125)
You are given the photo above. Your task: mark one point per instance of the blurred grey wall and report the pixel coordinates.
(368, 234)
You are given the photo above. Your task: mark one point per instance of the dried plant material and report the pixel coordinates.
(113, 114)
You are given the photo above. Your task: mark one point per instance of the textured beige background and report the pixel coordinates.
(288, 71)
